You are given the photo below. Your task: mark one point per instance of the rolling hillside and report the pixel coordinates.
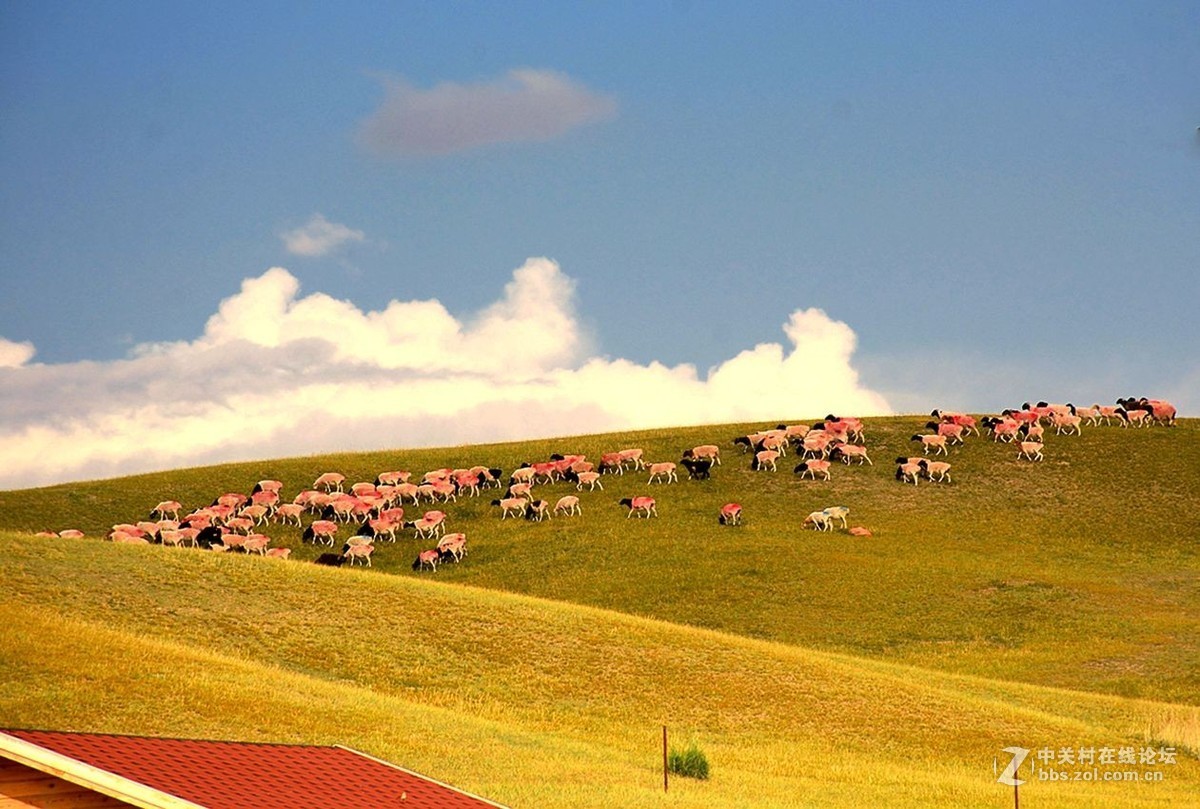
(1041, 605)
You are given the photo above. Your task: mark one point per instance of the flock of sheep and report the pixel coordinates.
(377, 511)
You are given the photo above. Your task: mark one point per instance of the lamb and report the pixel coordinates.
(642, 506)
(568, 504)
(818, 520)
(665, 470)
(1031, 450)
(935, 442)
(812, 468)
(731, 514)
(935, 471)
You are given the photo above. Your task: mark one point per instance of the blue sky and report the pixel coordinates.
(1001, 201)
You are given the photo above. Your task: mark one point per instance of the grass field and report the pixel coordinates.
(1046, 605)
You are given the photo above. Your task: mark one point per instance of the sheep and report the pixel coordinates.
(392, 478)
(288, 512)
(330, 560)
(167, 508)
(1031, 450)
(665, 470)
(360, 552)
(908, 469)
(1091, 415)
(71, 533)
(610, 462)
(965, 421)
(642, 506)
(568, 504)
(278, 553)
(731, 514)
(520, 490)
(1031, 431)
(1135, 418)
(953, 432)
(710, 452)
(1066, 423)
(537, 510)
(427, 559)
(380, 527)
(1160, 411)
(935, 471)
(698, 469)
(837, 513)
(256, 543)
(329, 481)
(811, 468)
(452, 548)
(322, 531)
(816, 444)
(632, 456)
(256, 513)
(1003, 429)
(765, 459)
(1106, 413)
(592, 479)
(847, 451)
(934, 442)
(818, 520)
(523, 474)
(513, 505)
(267, 486)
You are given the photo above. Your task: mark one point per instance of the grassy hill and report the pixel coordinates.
(1022, 604)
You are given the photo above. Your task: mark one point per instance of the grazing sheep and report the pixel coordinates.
(591, 479)
(860, 531)
(816, 444)
(330, 560)
(568, 504)
(361, 552)
(288, 512)
(935, 471)
(837, 513)
(665, 470)
(427, 559)
(731, 514)
(709, 452)
(818, 520)
(256, 543)
(698, 469)
(279, 553)
(812, 468)
(1031, 450)
(642, 506)
(392, 478)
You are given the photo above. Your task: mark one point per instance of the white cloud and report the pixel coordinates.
(14, 355)
(523, 105)
(319, 237)
(277, 374)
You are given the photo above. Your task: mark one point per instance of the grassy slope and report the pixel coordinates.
(530, 702)
(1080, 572)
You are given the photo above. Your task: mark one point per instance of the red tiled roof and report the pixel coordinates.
(242, 775)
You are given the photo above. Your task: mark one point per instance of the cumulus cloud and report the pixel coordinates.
(319, 237)
(277, 373)
(14, 355)
(524, 105)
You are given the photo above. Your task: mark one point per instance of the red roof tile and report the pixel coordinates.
(241, 775)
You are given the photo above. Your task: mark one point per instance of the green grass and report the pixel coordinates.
(1050, 604)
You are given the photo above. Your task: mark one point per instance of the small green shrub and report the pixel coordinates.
(690, 763)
